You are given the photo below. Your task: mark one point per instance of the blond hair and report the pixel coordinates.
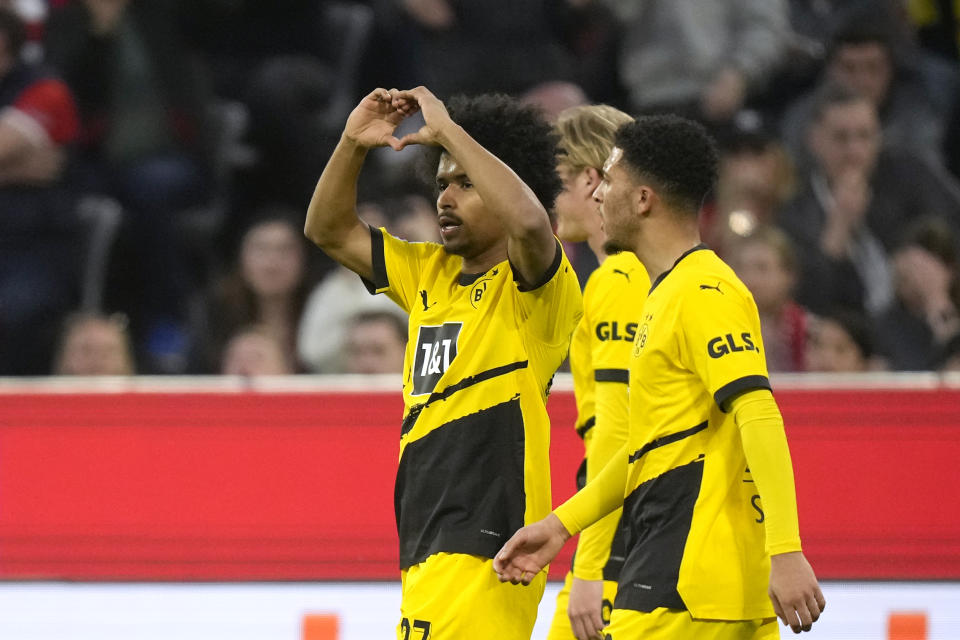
(587, 133)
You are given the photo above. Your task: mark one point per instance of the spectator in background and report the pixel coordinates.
(267, 286)
(486, 46)
(255, 351)
(840, 341)
(144, 142)
(95, 345)
(916, 329)
(766, 262)
(701, 59)
(854, 203)
(951, 356)
(376, 342)
(39, 230)
(756, 179)
(341, 295)
(862, 58)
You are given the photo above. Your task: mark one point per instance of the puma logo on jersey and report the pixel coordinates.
(625, 274)
(710, 286)
(423, 298)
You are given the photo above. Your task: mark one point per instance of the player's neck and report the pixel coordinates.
(595, 242)
(661, 247)
(483, 262)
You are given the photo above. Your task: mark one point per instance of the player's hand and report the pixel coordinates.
(797, 599)
(435, 116)
(373, 121)
(530, 550)
(585, 609)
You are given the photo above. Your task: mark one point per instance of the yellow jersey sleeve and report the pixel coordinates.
(765, 447)
(721, 340)
(397, 265)
(598, 498)
(549, 309)
(614, 304)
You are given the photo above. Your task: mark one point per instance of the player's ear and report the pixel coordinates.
(591, 178)
(643, 197)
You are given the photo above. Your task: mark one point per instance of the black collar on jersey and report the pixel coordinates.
(467, 279)
(663, 275)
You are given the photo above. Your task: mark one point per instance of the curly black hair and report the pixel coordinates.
(675, 154)
(517, 134)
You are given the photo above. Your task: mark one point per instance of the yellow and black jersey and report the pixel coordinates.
(599, 362)
(695, 517)
(482, 350)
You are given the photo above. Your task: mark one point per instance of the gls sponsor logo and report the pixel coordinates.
(611, 331)
(722, 345)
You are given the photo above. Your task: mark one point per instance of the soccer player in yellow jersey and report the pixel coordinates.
(705, 480)
(491, 311)
(599, 360)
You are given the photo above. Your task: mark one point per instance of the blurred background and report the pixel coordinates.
(157, 157)
(156, 161)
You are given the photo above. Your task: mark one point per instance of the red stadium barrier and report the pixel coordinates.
(280, 484)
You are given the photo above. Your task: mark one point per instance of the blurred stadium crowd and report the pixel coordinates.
(157, 157)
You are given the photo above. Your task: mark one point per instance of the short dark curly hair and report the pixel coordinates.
(517, 134)
(675, 154)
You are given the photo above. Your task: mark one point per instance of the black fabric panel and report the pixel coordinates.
(460, 488)
(746, 383)
(582, 474)
(618, 553)
(670, 438)
(658, 513)
(586, 426)
(548, 275)
(380, 280)
(611, 375)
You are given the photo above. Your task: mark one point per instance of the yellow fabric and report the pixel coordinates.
(582, 373)
(698, 347)
(560, 628)
(765, 444)
(601, 496)
(474, 446)
(669, 624)
(459, 596)
(498, 325)
(612, 303)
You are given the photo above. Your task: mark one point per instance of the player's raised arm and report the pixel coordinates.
(332, 221)
(531, 245)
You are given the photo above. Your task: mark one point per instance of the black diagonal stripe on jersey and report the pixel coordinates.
(379, 262)
(665, 440)
(414, 412)
(611, 375)
(746, 383)
(474, 379)
(586, 426)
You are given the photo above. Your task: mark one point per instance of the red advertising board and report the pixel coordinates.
(296, 483)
